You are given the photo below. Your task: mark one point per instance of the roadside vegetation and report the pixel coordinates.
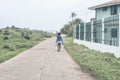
(14, 40)
(104, 66)
(68, 27)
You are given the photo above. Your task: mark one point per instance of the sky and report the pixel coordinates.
(46, 15)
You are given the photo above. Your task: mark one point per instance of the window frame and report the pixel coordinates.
(114, 9)
(114, 32)
(104, 8)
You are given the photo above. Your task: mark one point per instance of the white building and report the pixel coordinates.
(102, 33)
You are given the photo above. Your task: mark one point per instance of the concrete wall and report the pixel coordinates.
(100, 47)
(102, 14)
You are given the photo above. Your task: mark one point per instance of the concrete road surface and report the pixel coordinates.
(42, 62)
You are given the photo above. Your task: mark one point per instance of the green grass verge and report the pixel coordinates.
(6, 54)
(105, 66)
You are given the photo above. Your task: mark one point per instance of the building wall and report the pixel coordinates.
(100, 47)
(103, 34)
(104, 14)
(111, 23)
(97, 31)
(119, 8)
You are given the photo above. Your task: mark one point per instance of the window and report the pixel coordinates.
(114, 33)
(105, 30)
(96, 40)
(110, 42)
(95, 33)
(113, 9)
(104, 8)
(77, 32)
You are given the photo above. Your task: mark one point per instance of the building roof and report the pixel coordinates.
(114, 2)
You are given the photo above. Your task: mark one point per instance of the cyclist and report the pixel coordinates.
(59, 41)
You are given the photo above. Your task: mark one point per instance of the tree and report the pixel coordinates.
(77, 21)
(65, 29)
(68, 28)
(73, 15)
(13, 26)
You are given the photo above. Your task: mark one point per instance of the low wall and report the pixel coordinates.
(101, 47)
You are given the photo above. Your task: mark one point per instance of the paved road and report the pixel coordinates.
(42, 62)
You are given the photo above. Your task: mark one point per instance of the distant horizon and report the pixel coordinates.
(54, 31)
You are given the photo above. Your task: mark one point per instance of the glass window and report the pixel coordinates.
(104, 8)
(94, 33)
(82, 31)
(113, 9)
(114, 33)
(105, 30)
(77, 32)
(88, 31)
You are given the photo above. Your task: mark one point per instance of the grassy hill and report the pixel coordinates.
(15, 40)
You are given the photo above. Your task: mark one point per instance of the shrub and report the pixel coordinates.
(10, 47)
(6, 47)
(0, 30)
(6, 33)
(23, 34)
(27, 37)
(6, 38)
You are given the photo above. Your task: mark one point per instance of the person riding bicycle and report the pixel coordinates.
(59, 41)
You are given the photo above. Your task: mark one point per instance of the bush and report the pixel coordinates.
(6, 47)
(6, 38)
(10, 47)
(27, 37)
(0, 31)
(6, 33)
(23, 34)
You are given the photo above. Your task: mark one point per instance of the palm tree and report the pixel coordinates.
(68, 28)
(77, 21)
(73, 14)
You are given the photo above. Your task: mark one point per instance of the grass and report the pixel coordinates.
(6, 54)
(15, 40)
(105, 66)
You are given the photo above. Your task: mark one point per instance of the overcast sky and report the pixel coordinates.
(47, 15)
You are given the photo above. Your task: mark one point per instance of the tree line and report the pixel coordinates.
(68, 28)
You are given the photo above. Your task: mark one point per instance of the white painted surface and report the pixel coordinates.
(119, 29)
(103, 30)
(100, 47)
